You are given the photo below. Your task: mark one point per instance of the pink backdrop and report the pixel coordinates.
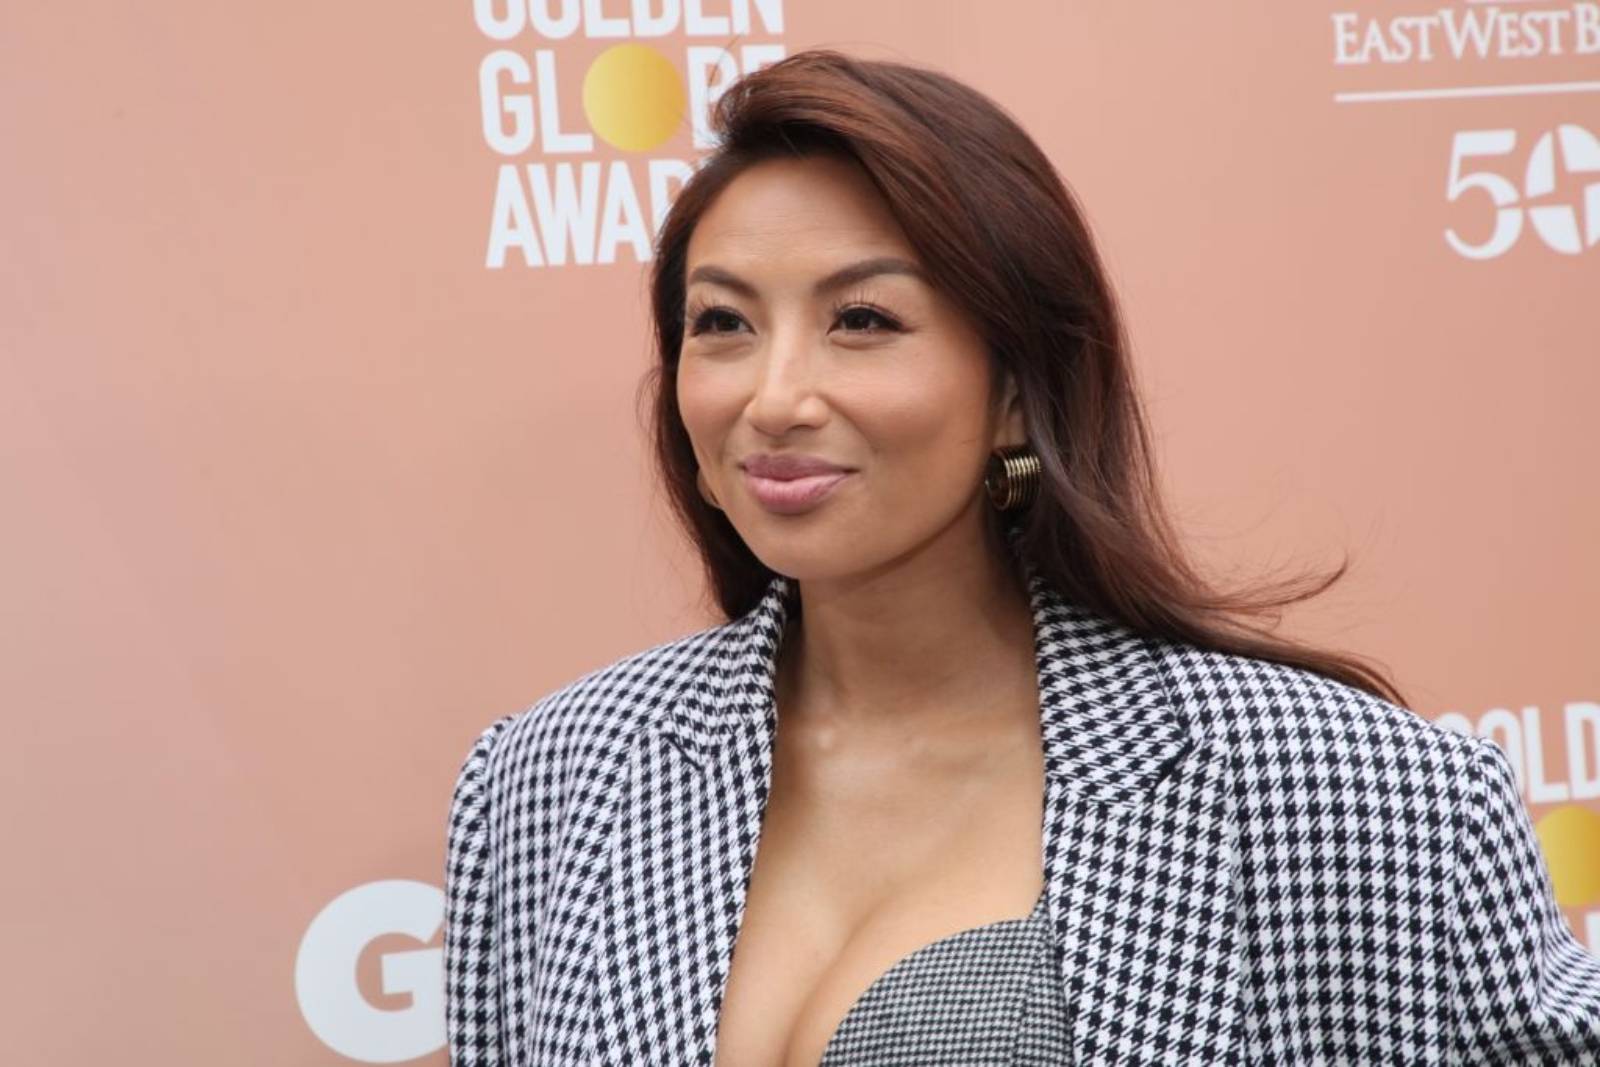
(311, 472)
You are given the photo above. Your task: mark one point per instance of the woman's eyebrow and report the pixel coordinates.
(847, 275)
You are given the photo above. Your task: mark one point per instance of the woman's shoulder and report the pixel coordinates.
(1293, 726)
(595, 712)
(1403, 845)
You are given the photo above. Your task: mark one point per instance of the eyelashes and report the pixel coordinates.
(700, 317)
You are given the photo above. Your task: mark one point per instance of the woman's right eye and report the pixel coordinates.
(707, 320)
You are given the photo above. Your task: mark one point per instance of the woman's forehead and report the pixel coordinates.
(824, 278)
(807, 204)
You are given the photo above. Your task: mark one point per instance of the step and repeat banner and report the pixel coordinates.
(322, 327)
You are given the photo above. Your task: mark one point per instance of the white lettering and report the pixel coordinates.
(570, 213)
(752, 57)
(494, 106)
(500, 27)
(771, 12)
(1509, 25)
(510, 224)
(711, 70)
(554, 140)
(620, 219)
(558, 27)
(1423, 24)
(1555, 21)
(1344, 36)
(574, 211)
(1583, 717)
(1375, 42)
(698, 24)
(1540, 791)
(325, 968)
(648, 24)
(1487, 32)
(1587, 29)
(1471, 30)
(663, 171)
(596, 23)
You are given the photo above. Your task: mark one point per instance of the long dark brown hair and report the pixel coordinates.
(1003, 237)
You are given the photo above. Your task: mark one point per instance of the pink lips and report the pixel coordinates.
(789, 483)
(790, 496)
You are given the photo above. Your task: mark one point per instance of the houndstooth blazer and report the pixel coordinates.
(1245, 863)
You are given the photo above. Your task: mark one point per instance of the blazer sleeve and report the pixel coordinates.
(1525, 990)
(471, 941)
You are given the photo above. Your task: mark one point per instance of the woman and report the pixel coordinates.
(979, 770)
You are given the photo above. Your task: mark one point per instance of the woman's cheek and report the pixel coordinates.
(702, 398)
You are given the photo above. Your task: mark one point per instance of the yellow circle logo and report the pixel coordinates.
(633, 97)
(1570, 837)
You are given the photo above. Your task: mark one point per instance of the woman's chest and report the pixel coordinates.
(625, 895)
(879, 878)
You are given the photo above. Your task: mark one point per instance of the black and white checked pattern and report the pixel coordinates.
(989, 996)
(1244, 863)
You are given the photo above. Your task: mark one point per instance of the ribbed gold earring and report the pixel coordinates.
(1012, 477)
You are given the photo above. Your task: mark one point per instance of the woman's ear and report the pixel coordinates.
(1010, 426)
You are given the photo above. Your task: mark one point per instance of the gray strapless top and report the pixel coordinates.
(989, 996)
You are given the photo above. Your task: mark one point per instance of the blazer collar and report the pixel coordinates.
(1109, 729)
(1140, 834)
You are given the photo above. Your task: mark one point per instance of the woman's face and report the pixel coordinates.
(878, 374)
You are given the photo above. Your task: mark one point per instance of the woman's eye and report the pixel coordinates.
(860, 318)
(711, 317)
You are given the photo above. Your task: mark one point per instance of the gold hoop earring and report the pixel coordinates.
(705, 493)
(1012, 477)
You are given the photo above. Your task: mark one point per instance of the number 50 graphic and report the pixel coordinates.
(1556, 223)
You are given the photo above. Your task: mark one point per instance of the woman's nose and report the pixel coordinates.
(785, 391)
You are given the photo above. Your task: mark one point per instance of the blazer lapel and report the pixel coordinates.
(683, 843)
(1141, 850)
(1140, 859)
